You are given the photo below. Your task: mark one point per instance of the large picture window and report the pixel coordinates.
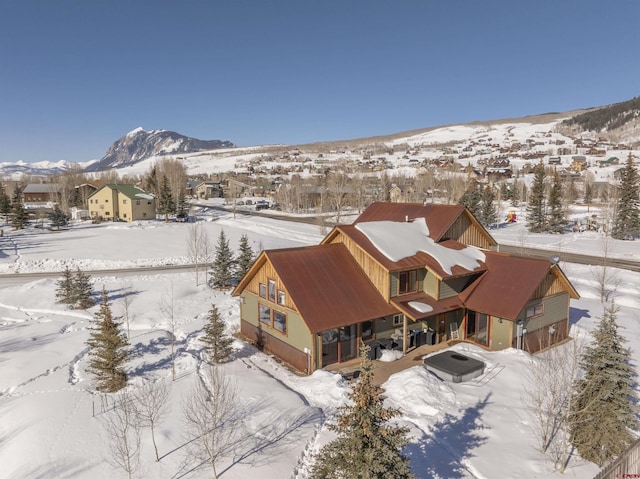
(264, 314)
(280, 321)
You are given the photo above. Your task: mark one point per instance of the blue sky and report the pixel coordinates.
(77, 75)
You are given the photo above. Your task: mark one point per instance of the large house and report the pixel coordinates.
(121, 203)
(400, 276)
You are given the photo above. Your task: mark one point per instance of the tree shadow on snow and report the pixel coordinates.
(450, 445)
(576, 315)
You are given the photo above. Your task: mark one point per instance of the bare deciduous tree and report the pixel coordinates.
(550, 380)
(199, 249)
(211, 416)
(168, 309)
(152, 405)
(127, 298)
(124, 435)
(606, 277)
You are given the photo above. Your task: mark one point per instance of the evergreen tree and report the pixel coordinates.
(58, 218)
(166, 203)
(5, 203)
(182, 205)
(536, 217)
(367, 446)
(82, 294)
(108, 349)
(515, 193)
(245, 257)
(471, 199)
(488, 212)
(20, 217)
(557, 218)
(64, 288)
(223, 262)
(217, 342)
(602, 416)
(626, 224)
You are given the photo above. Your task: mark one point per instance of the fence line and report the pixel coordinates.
(627, 465)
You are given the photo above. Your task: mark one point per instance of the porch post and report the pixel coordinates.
(404, 334)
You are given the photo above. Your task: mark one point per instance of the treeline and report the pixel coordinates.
(607, 118)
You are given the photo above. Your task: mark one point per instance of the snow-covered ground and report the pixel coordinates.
(52, 422)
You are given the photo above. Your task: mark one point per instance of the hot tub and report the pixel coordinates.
(453, 366)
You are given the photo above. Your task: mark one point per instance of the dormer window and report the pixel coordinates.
(408, 281)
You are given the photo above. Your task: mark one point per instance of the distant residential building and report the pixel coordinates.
(122, 203)
(39, 194)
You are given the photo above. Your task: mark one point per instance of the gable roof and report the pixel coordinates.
(508, 284)
(439, 217)
(42, 188)
(130, 191)
(326, 284)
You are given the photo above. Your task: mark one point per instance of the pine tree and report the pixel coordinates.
(58, 219)
(64, 288)
(20, 216)
(108, 349)
(367, 446)
(536, 217)
(223, 262)
(557, 218)
(626, 224)
(603, 412)
(82, 293)
(245, 257)
(5, 204)
(217, 342)
(488, 212)
(166, 204)
(471, 199)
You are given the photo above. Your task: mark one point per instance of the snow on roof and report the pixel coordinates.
(420, 306)
(398, 240)
(144, 196)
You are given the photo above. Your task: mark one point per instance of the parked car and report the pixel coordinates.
(262, 206)
(181, 217)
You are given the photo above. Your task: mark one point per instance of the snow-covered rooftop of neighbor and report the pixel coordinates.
(397, 240)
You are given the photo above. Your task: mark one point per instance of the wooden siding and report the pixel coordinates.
(378, 275)
(263, 275)
(554, 309)
(550, 285)
(465, 232)
(541, 338)
(271, 344)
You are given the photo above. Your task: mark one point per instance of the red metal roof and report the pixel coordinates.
(439, 217)
(507, 286)
(437, 307)
(328, 286)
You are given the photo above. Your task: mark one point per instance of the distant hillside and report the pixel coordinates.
(620, 120)
(139, 144)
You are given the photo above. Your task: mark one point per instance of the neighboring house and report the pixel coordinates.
(81, 194)
(236, 189)
(40, 194)
(121, 203)
(579, 162)
(402, 275)
(208, 189)
(401, 193)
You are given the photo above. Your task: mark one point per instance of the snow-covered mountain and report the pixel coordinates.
(139, 144)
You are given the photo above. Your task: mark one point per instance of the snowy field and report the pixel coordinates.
(52, 422)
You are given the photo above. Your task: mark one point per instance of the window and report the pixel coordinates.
(534, 310)
(124, 202)
(137, 202)
(106, 201)
(263, 290)
(397, 320)
(272, 290)
(407, 281)
(280, 321)
(264, 314)
(281, 298)
(367, 330)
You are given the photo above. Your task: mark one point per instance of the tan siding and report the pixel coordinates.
(378, 275)
(501, 333)
(102, 203)
(465, 232)
(431, 284)
(142, 209)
